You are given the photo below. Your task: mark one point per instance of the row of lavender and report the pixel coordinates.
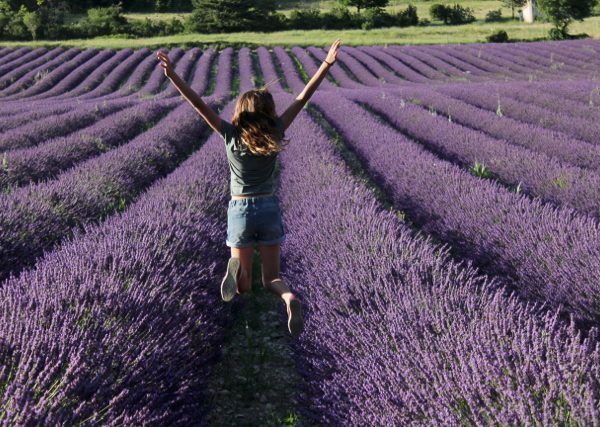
(487, 233)
(122, 325)
(146, 81)
(580, 126)
(109, 117)
(365, 65)
(129, 358)
(278, 52)
(100, 186)
(565, 107)
(496, 124)
(355, 68)
(399, 334)
(538, 174)
(57, 119)
(550, 254)
(535, 107)
(38, 216)
(155, 87)
(423, 374)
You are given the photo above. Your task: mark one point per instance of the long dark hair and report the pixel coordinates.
(255, 117)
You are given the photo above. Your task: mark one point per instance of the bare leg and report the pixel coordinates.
(270, 276)
(244, 279)
(269, 256)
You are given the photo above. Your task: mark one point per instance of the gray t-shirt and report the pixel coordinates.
(250, 173)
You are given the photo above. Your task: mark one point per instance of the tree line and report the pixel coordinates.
(46, 19)
(81, 6)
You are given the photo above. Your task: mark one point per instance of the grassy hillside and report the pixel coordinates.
(431, 34)
(413, 35)
(480, 7)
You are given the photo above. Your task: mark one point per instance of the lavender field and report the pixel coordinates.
(442, 212)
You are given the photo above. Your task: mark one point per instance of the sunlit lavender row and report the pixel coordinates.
(398, 333)
(441, 205)
(130, 316)
(531, 245)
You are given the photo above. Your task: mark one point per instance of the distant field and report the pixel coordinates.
(431, 34)
(480, 8)
(156, 16)
(435, 33)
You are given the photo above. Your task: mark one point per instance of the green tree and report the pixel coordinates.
(16, 29)
(107, 20)
(49, 18)
(6, 14)
(364, 4)
(562, 12)
(513, 4)
(162, 5)
(15, 5)
(33, 21)
(407, 17)
(81, 6)
(452, 15)
(214, 16)
(439, 12)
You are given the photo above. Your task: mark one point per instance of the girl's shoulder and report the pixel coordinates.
(231, 136)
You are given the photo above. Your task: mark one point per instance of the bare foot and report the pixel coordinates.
(294, 312)
(287, 297)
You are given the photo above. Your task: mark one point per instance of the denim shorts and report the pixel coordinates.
(254, 220)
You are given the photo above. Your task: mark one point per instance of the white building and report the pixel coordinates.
(530, 11)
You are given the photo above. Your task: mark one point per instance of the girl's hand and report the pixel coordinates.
(165, 62)
(333, 52)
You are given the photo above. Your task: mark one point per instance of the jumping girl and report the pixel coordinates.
(252, 141)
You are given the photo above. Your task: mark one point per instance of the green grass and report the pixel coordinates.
(436, 33)
(480, 170)
(155, 16)
(480, 8)
(433, 34)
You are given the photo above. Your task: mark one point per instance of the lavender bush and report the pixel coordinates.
(555, 144)
(23, 166)
(129, 316)
(531, 246)
(56, 75)
(28, 58)
(537, 174)
(399, 334)
(29, 78)
(38, 131)
(579, 128)
(37, 217)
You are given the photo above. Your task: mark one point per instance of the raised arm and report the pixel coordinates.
(292, 111)
(207, 113)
